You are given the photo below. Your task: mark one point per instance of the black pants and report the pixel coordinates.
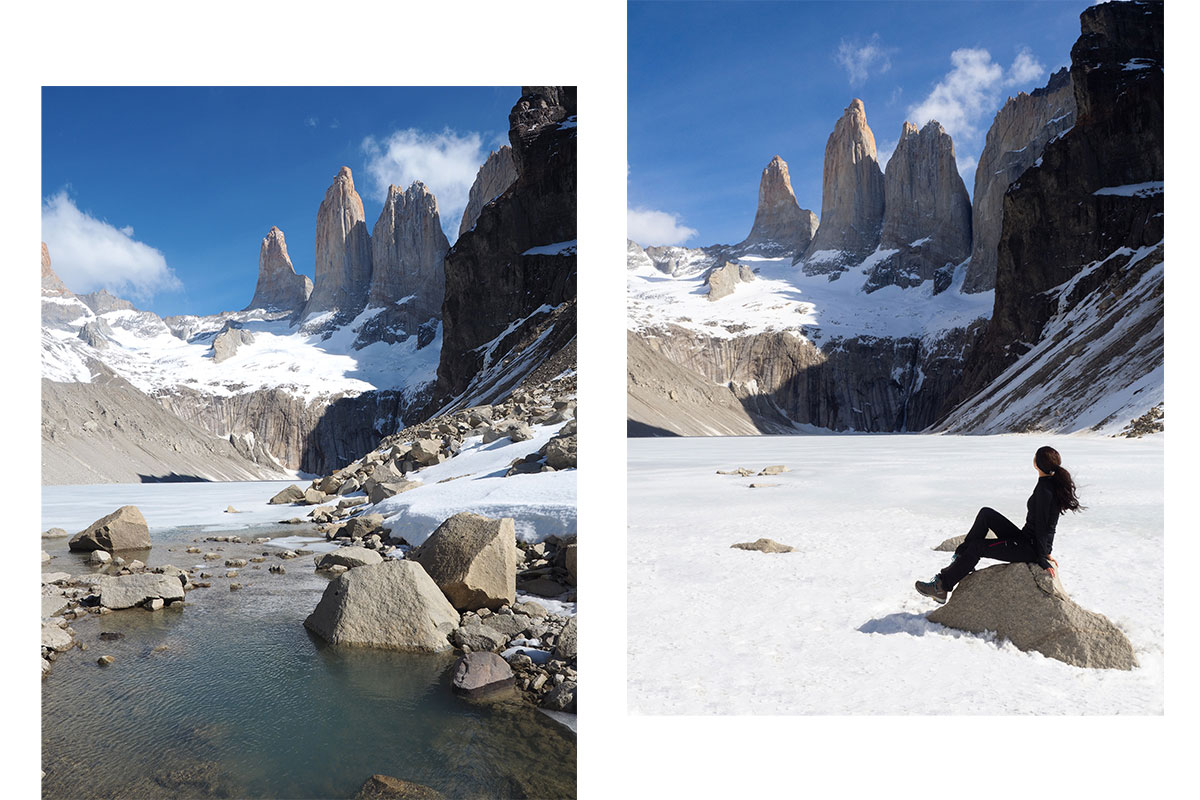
(1012, 544)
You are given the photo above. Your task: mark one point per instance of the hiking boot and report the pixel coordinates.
(933, 588)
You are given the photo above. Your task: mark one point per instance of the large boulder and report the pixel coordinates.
(394, 605)
(1023, 604)
(349, 557)
(473, 559)
(124, 529)
(127, 591)
(480, 675)
(292, 494)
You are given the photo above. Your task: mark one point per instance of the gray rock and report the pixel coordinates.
(292, 494)
(99, 557)
(951, 544)
(764, 546)
(571, 563)
(480, 675)
(529, 608)
(567, 646)
(561, 698)
(361, 527)
(543, 587)
(510, 625)
(385, 787)
(226, 343)
(54, 533)
(127, 591)
(393, 605)
(724, 279)
(426, 452)
(313, 497)
(124, 529)
(479, 638)
(53, 603)
(473, 559)
(56, 638)
(349, 557)
(382, 491)
(774, 469)
(1022, 603)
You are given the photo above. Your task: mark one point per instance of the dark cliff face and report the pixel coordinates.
(500, 273)
(1066, 216)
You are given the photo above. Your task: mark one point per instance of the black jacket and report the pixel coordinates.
(1042, 518)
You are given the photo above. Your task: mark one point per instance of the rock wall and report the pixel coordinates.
(493, 178)
(1079, 221)
(927, 213)
(852, 194)
(279, 288)
(781, 227)
(503, 275)
(1014, 143)
(343, 252)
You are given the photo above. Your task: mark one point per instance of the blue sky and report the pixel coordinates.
(163, 195)
(716, 89)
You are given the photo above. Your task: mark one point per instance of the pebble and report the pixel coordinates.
(104, 661)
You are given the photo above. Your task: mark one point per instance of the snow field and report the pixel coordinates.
(836, 627)
(782, 297)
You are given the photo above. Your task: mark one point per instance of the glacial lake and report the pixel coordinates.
(230, 696)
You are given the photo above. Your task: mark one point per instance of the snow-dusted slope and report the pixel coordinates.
(784, 298)
(155, 357)
(1098, 364)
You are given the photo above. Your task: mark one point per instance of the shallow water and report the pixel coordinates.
(230, 696)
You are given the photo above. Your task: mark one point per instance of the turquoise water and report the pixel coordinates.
(230, 696)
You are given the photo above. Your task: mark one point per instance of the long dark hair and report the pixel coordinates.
(1049, 461)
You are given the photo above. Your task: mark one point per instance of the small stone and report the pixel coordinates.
(104, 661)
(233, 587)
(154, 604)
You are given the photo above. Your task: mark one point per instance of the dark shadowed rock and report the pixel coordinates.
(124, 529)
(1022, 603)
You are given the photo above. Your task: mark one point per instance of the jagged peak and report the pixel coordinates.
(907, 129)
(856, 107)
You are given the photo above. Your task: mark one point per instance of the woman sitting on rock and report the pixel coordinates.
(1053, 496)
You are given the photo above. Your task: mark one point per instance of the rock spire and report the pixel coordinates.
(852, 195)
(279, 288)
(407, 250)
(343, 251)
(927, 215)
(779, 223)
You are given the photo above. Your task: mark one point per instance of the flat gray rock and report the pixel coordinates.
(349, 557)
(567, 646)
(127, 591)
(764, 546)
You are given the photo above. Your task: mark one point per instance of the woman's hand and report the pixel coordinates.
(1053, 568)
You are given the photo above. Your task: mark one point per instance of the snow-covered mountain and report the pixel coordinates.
(310, 377)
(880, 324)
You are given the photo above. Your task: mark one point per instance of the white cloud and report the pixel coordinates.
(860, 60)
(648, 227)
(966, 99)
(312, 122)
(90, 254)
(966, 168)
(446, 162)
(1025, 68)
